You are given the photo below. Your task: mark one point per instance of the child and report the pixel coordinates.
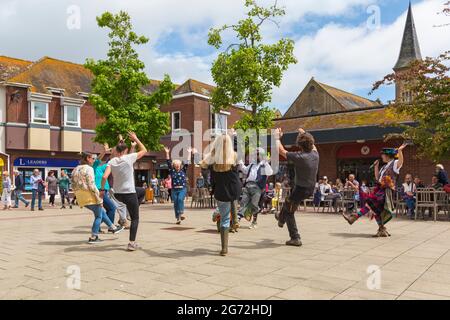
(278, 194)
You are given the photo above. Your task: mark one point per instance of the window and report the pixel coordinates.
(220, 123)
(176, 121)
(71, 116)
(39, 112)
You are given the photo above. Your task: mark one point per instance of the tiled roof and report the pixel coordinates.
(9, 67)
(361, 118)
(347, 100)
(195, 87)
(410, 49)
(49, 72)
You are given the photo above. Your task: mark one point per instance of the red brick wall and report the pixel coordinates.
(17, 110)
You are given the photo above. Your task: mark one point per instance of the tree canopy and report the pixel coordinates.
(247, 70)
(119, 88)
(428, 105)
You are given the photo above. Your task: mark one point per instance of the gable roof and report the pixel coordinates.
(48, 72)
(9, 67)
(410, 48)
(194, 86)
(347, 100)
(379, 116)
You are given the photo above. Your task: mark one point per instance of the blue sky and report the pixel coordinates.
(333, 41)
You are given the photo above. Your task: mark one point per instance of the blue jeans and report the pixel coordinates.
(110, 207)
(410, 205)
(225, 213)
(178, 196)
(19, 196)
(99, 217)
(35, 193)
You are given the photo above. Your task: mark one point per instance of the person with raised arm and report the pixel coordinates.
(306, 164)
(381, 202)
(122, 169)
(178, 175)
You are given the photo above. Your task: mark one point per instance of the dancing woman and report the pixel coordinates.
(122, 169)
(227, 187)
(380, 202)
(178, 175)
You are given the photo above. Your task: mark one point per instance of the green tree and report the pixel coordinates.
(428, 105)
(118, 88)
(247, 71)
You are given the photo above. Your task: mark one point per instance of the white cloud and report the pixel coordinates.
(347, 57)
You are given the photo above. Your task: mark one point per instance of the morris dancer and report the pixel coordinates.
(380, 202)
(222, 162)
(306, 163)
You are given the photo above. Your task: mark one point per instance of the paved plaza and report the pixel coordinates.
(42, 254)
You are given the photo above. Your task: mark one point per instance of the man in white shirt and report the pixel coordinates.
(254, 186)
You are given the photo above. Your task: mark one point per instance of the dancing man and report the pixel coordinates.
(255, 183)
(381, 202)
(306, 164)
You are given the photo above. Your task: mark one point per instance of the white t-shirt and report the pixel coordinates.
(122, 169)
(396, 168)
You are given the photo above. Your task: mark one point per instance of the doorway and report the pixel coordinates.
(361, 168)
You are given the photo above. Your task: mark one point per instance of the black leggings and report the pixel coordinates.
(132, 203)
(52, 199)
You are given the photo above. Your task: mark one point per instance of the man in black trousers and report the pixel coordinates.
(306, 164)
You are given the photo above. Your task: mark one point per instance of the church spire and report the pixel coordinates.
(410, 49)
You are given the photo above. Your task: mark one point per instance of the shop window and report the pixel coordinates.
(27, 173)
(39, 112)
(219, 123)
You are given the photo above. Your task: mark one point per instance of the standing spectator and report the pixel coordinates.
(7, 189)
(37, 189)
(122, 169)
(19, 184)
(83, 178)
(155, 185)
(52, 187)
(435, 184)
(409, 190)
(168, 186)
(178, 174)
(64, 186)
(442, 175)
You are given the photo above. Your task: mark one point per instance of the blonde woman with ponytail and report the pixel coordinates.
(222, 161)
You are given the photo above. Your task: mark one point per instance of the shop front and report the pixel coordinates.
(358, 159)
(26, 166)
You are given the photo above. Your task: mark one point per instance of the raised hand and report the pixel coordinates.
(403, 147)
(167, 150)
(133, 137)
(301, 131)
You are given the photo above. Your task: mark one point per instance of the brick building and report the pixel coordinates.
(46, 120)
(349, 129)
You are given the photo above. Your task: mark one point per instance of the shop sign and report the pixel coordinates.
(45, 163)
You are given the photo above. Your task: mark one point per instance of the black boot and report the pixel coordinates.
(224, 232)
